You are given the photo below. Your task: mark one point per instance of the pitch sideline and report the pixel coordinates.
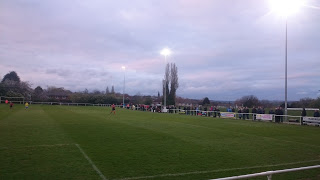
(43, 145)
(212, 171)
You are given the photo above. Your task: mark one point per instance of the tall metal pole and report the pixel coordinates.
(124, 86)
(165, 83)
(286, 73)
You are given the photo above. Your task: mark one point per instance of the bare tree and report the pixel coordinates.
(248, 101)
(170, 83)
(112, 90)
(107, 90)
(174, 83)
(166, 82)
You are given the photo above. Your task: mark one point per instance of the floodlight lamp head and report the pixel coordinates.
(286, 8)
(165, 52)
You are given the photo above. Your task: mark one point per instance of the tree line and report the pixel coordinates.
(251, 101)
(12, 86)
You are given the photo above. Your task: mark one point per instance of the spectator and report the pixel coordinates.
(254, 112)
(281, 113)
(271, 111)
(316, 113)
(259, 111)
(304, 112)
(244, 115)
(218, 111)
(211, 109)
(277, 117)
(240, 113)
(247, 111)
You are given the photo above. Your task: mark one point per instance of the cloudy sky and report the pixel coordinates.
(224, 49)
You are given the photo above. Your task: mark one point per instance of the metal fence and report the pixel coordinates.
(299, 120)
(268, 173)
(72, 104)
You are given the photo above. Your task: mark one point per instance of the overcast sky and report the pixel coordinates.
(224, 49)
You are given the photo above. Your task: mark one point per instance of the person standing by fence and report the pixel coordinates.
(254, 112)
(304, 112)
(277, 113)
(247, 111)
(281, 113)
(316, 113)
(239, 112)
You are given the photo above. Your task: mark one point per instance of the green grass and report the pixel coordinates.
(40, 143)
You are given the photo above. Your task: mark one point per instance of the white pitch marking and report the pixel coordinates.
(212, 171)
(92, 164)
(43, 145)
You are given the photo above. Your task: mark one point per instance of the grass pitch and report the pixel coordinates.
(69, 142)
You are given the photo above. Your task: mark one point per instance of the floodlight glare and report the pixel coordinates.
(165, 52)
(286, 7)
(123, 67)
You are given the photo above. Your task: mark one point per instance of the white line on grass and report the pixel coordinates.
(92, 164)
(217, 170)
(43, 145)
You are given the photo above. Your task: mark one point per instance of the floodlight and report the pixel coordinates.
(165, 52)
(286, 7)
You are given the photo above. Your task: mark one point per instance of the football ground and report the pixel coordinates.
(70, 142)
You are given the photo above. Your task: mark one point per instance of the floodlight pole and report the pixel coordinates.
(165, 83)
(286, 74)
(165, 52)
(124, 85)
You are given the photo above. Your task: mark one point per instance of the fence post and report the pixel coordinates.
(269, 177)
(273, 118)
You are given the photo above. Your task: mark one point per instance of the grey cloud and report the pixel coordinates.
(223, 49)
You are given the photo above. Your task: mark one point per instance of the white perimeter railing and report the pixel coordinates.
(315, 121)
(248, 116)
(73, 104)
(268, 173)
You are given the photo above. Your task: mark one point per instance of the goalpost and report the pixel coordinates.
(19, 100)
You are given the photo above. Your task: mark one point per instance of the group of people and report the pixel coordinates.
(212, 111)
(26, 105)
(279, 114)
(244, 112)
(315, 114)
